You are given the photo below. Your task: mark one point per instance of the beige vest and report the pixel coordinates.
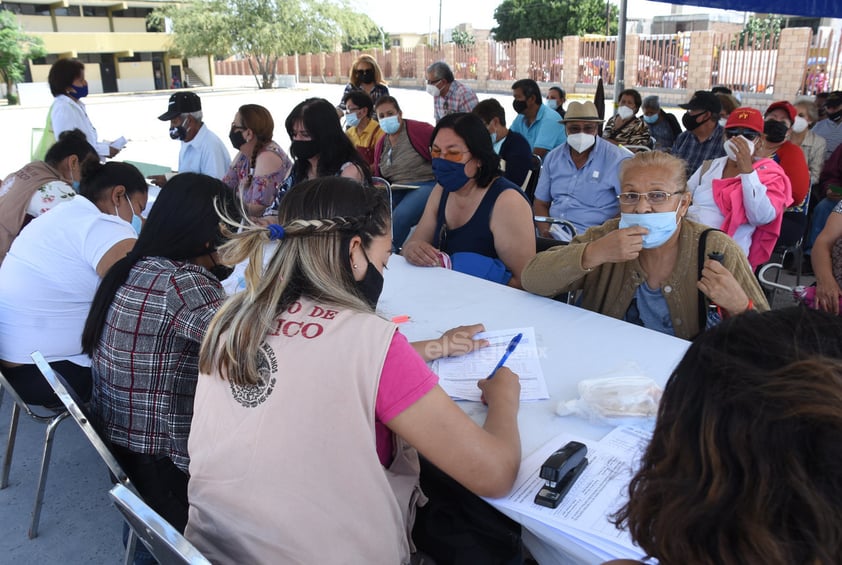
(15, 193)
(287, 471)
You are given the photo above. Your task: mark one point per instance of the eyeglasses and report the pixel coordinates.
(349, 110)
(450, 155)
(434, 81)
(653, 196)
(749, 134)
(576, 128)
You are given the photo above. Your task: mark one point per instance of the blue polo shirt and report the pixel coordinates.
(545, 132)
(585, 197)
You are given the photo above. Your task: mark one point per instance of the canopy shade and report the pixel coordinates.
(813, 8)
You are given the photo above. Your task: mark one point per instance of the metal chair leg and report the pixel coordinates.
(42, 476)
(131, 545)
(10, 446)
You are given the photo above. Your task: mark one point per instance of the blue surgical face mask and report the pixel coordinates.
(451, 176)
(552, 103)
(493, 137)
(137, 222)
(390, 124)
(661, 226)
(73, 182)
(79, 91)
(352, 120)
(650, 119)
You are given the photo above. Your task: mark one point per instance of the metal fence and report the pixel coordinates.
(745, 62)
(823, 71)
(663, 61)
(502, 59)
(406, 64)
(464, 65)
(545, 60)
(597, 59)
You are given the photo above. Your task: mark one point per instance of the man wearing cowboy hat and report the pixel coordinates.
(579, 181)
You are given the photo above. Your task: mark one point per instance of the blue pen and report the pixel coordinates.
(509, 350)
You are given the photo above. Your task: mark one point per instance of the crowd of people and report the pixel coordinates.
(189, 386)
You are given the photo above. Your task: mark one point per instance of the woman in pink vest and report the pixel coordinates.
(309, 406)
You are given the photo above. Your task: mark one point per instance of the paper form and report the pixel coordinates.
(458, 376)
(600, 491)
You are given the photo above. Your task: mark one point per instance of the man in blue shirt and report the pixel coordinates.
(535, 121)
(579, 181)
(202, 151)
(704, 138)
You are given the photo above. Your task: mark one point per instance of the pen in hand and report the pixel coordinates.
(509, 350)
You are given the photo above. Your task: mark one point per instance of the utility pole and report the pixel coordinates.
(439, 24)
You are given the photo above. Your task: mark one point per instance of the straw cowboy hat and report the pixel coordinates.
(581, 112)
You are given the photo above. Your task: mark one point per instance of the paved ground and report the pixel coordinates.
(78, 523)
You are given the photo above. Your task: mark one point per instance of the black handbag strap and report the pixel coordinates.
(703, 300)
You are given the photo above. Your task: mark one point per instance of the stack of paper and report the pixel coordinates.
(583, 515)
(458, 376)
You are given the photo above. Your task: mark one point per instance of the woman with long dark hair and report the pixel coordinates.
(143, 332)
(319, 146)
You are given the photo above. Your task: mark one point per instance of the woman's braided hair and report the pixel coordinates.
(316, 222)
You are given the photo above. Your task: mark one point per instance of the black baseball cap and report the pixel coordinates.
(181, 103)
(703, 100)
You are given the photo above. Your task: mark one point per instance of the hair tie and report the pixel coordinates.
(276, 231)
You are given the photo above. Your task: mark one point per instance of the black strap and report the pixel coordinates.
(703, 300)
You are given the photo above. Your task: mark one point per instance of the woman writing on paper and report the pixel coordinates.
(292, 444)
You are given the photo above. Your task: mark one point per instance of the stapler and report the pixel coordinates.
(560, 471)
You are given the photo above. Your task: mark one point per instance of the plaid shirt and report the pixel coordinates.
(147, 361)
(687, 147)
(459, 98)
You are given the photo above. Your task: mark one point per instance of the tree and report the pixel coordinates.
(260, 30)
(760, 32)
(359, 31)
(551, 19)
(462, 38)
(15, 49)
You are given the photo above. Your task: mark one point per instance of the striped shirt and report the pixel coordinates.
(459, 98)
(688, 147)
(832, 134)
(147, 361)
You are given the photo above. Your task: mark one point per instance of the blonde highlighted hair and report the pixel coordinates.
(378, 74)
(318, 218)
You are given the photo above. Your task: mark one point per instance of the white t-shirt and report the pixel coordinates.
(48, 281)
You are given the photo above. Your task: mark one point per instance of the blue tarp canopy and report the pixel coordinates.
(812, 8)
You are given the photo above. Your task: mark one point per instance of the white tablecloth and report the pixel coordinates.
(573, 344)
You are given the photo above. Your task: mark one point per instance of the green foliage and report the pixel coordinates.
(462, 38)
(15, 49)
(551, 19)
(264, 30)
(358, 30)
(760, 32)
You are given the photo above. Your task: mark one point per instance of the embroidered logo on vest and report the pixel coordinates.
(252, 396)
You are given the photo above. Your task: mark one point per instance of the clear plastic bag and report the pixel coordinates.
(625, 393)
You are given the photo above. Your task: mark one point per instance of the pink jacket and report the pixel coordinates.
(728, 195)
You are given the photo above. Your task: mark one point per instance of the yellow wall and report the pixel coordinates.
(35, 23)
(130, 24)
(92, 75)
(104, 42)
(135, 76)
(88, 24)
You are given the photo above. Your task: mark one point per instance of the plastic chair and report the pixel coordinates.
(531, 181)
(75, 407)
(51, 419)
(163, 541)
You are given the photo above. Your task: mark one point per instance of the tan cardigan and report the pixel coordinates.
(610, 288)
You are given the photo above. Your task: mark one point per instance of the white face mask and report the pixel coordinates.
(799, 125)
(729, 148)
(433, 90)
(625, 112)
(723, 121)
(581, 142)
(552, 103)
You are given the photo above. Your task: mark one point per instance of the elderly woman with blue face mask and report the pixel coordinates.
(652, 267)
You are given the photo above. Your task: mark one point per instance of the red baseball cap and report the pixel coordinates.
(785, 106)
(748, 118)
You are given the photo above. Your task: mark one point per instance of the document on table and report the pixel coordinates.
(458, 376)
(599, 492)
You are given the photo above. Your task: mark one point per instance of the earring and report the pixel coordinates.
(354, 266)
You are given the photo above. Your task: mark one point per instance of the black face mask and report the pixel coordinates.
(178, 132)
(237, 139)
(221, 272)
(366, 77)
(519, 106)
(834, 116)
(691, 122)
(304, 149)
(774, 131)
(371, 286)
